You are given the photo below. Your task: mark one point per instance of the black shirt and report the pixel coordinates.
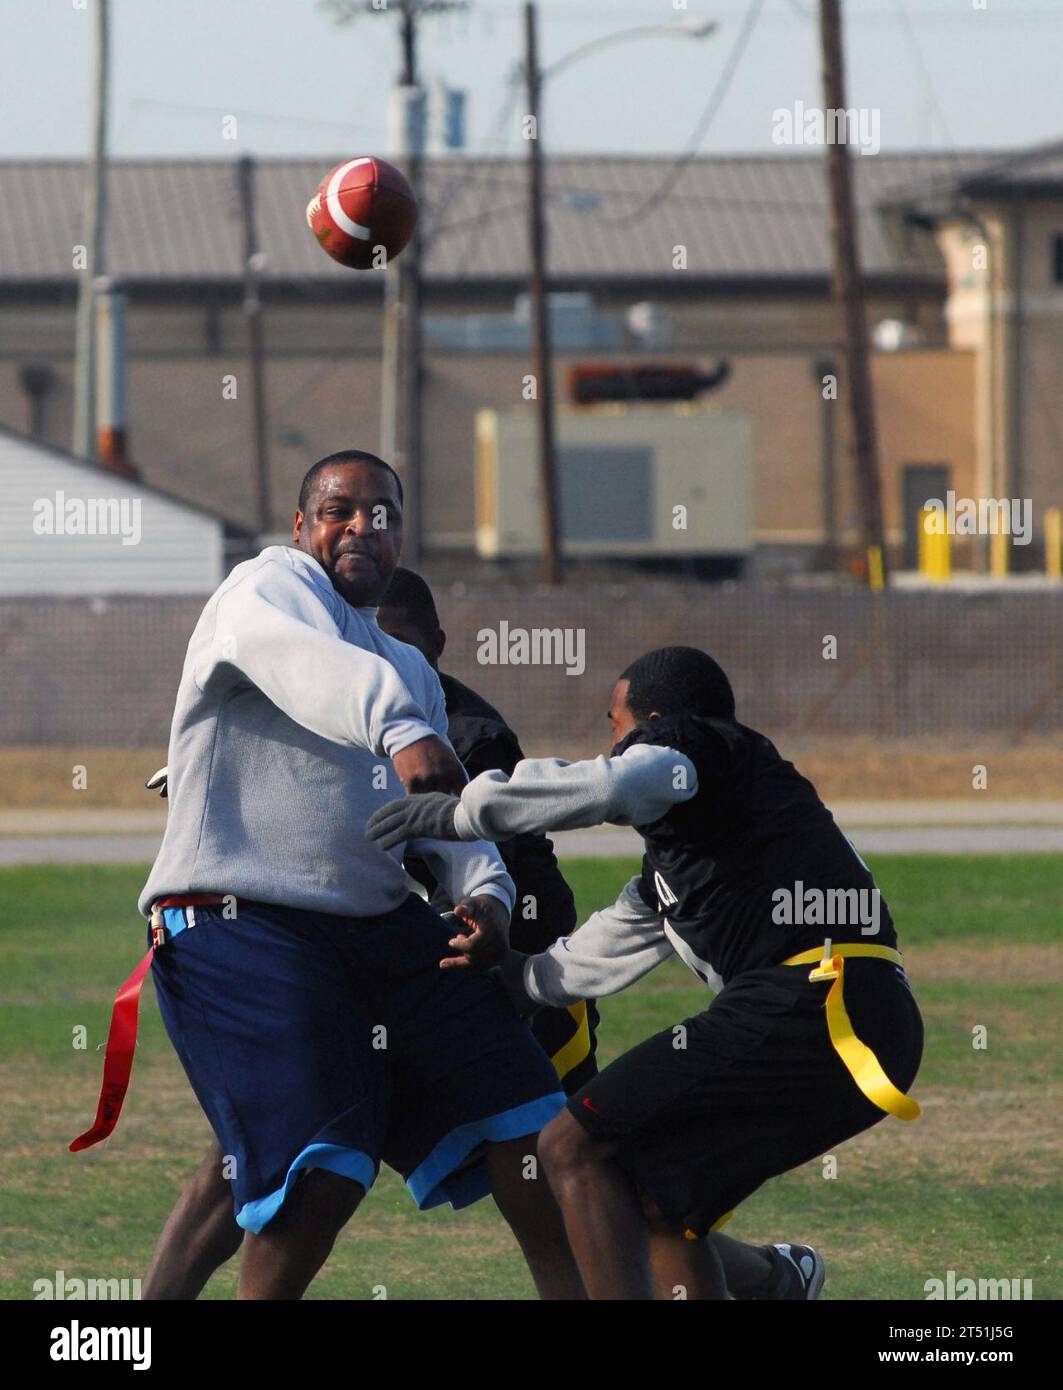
(743, 871)
(484, 742)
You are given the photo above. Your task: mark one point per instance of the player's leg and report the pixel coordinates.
(683, 1268)
(471, 1089)
(523, 1196)
(281, 1260)
(200, 1235)
(606, 1225)
(278, 1047)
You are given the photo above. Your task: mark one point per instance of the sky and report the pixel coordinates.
(943, 74)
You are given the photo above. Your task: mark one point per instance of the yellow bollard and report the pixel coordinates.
(875, 577)
(1054, 543)
(935, 546)
(999, 554)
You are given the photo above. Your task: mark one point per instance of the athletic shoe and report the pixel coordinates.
(805, 1273)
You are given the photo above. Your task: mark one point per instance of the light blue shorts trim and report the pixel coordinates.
(435, 1181)
(349, 1163)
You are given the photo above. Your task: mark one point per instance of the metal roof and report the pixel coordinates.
(739, 217)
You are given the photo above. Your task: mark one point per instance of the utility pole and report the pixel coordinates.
(402, 366)
(540, 325)
(255, 349)
(848, 292)
(94, 224)
(402, 312)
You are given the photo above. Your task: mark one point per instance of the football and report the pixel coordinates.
(363, 213)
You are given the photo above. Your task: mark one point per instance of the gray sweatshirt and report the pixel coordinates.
(290, 705)
(618, 945)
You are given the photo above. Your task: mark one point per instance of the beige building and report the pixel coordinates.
(733, 263)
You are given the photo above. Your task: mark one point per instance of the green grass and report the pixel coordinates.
(973, 1186)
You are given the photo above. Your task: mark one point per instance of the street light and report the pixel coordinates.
(543, 350)
(679, 28)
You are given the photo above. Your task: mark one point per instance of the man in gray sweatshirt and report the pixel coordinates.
(297, 976)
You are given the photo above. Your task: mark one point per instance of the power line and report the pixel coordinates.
(705, 120)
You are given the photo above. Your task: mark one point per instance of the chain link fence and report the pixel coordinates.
(803, 662)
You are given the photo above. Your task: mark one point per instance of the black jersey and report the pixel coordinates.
(545, 908)
(752, 869)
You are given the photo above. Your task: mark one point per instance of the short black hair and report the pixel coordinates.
(678, 680)
(409, 592)
(343, 456)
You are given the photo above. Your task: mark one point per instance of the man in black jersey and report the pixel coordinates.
(544, 909)
(814, 1035)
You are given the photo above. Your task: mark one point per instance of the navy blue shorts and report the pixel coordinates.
(318, 1041)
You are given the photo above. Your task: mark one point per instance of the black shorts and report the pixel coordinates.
(707, 1111)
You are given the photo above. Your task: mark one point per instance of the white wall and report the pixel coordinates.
(172, 549)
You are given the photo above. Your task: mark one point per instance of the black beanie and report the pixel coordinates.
(678, 680)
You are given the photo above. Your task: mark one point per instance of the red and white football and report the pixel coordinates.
(363, 213)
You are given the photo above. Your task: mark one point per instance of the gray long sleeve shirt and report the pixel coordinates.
(290, 705)
(618, 945)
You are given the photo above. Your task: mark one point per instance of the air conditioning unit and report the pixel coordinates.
(632, 481)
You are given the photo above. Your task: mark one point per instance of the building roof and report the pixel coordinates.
(135, 485)
(740, 217)
(1031, 173)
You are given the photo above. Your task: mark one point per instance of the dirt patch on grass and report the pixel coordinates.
(973, 1133)
(1007, 965)
(854, 768)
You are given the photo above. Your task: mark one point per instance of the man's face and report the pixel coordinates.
(352, 527)
(402, 625)
(620, 716)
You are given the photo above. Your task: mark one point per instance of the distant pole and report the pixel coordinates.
(93, 232)
(408, 365)
(848, 291)
(542, 346)
(402, 364)
(112, 439)
(255, 347)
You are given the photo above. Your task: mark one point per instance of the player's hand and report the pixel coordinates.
(429, 766)
(428, 816)
(485, 940)
(159, 779)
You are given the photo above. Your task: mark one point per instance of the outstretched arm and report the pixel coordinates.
(614, 948)
(544, 794)
(274, 629)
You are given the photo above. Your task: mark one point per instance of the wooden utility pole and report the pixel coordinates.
(848, 292)
(540, 325)
(402, 364)
(255, 350)
(407, 364)
(94, 225)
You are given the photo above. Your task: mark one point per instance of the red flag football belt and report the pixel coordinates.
(122, 1034)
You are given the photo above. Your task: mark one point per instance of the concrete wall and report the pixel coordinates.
(906, 665)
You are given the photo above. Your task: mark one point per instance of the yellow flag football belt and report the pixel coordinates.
(862, 1064)
(578, 1046)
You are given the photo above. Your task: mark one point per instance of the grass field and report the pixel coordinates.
(973, 1186)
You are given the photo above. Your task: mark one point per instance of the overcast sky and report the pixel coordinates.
(942, 74)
